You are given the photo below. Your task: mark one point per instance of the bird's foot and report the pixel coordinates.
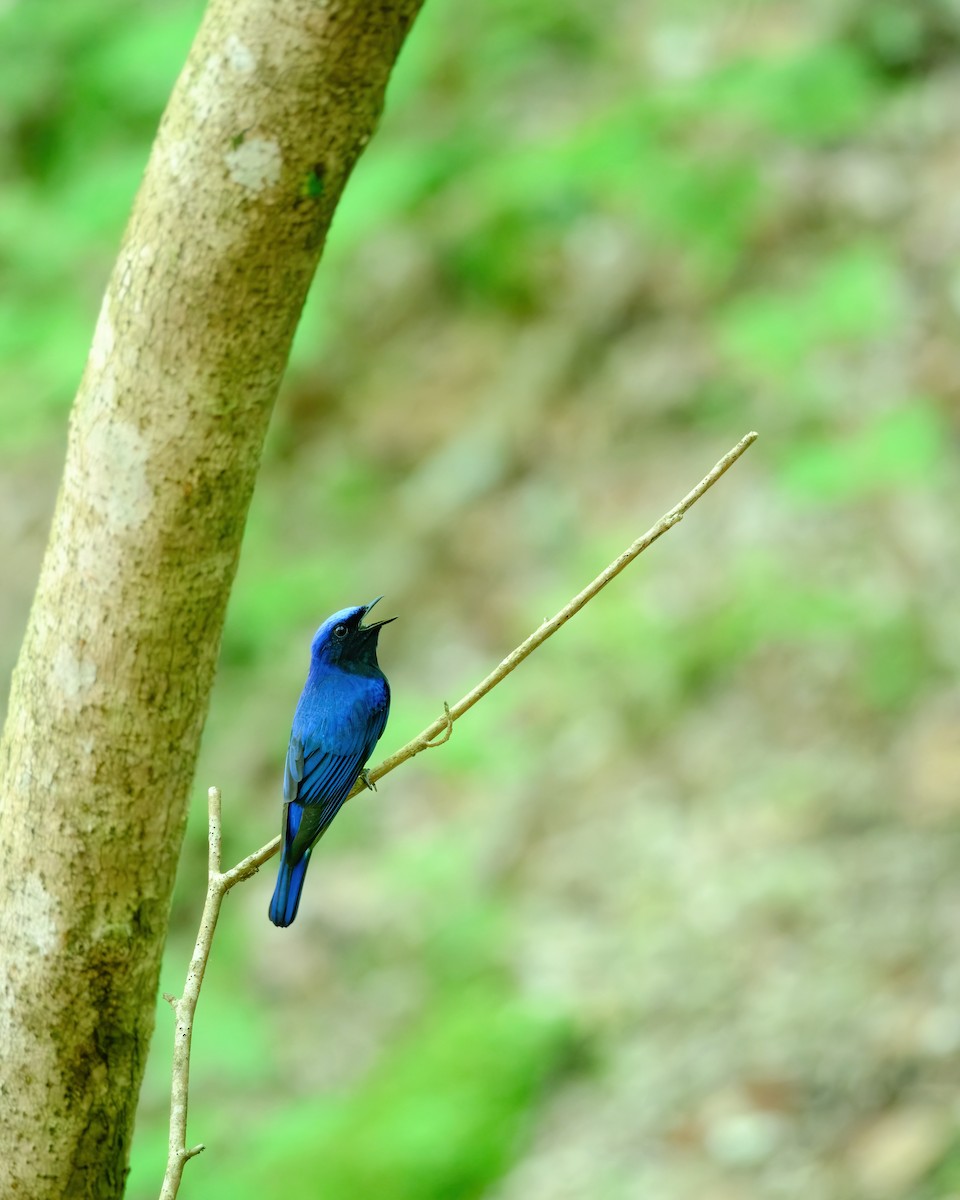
(367, 781)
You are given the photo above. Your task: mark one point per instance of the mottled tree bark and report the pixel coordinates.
(108, 699)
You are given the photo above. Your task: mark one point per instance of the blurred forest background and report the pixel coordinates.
(676, 912)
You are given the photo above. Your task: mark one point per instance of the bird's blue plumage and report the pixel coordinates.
(341, 714)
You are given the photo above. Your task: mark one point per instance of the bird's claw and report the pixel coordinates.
(367, 781)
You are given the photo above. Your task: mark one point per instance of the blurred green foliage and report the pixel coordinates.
(440, 1115)
(591, 245)
(81, 94)
(903, 447)
(849, 299)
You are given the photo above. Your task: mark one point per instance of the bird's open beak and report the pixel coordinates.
(375, 624)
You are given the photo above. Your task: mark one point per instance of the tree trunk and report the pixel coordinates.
(277, 100)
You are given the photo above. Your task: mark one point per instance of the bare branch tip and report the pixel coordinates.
(171, 1000)
(193, 1151)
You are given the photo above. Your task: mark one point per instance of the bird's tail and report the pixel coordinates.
(286, 895)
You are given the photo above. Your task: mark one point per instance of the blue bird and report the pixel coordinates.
(338, 721)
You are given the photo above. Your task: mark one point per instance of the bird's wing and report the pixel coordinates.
(329, 772)
(323, 791)
(293, 767)
(321, 769)
(330, 743)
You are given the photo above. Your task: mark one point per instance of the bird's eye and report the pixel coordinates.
(340, 630)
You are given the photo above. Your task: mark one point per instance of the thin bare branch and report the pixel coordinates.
(219, 883)
(178, 1153)
(443, 725)
(441, 738)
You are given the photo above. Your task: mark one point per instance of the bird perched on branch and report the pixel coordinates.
(338, 721)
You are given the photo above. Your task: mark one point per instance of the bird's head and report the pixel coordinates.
(343, 640)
